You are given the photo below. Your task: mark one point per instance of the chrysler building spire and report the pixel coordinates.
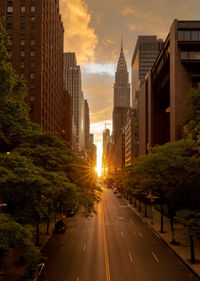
(121, 62)
(121, 86)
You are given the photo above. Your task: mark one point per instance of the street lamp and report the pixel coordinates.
(152, 199)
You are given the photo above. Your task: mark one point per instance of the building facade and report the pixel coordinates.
(87, 125)
(131, 135)
(35, 47)
(107, 142)
(72, 81)
(162, 100)
(144, 56)
(121, 106)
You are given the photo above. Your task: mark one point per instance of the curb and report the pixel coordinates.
(163, 240)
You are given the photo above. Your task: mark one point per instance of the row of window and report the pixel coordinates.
(32, 75)
(9, 19)
(22, 31)
(190, 55)
(22, 9)
(22, 42)
(22, 53)
(188, 35)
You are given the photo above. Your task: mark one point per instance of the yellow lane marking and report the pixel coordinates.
(105, 246)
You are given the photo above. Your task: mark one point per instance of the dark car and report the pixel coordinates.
(60, 226)
(70, 213)
(36, 273)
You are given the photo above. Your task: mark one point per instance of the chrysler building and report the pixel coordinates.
(121, 107)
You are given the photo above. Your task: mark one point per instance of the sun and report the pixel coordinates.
(99, 159)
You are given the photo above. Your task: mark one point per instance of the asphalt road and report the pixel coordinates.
(114, 245)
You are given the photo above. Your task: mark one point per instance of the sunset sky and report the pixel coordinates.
(93, 31)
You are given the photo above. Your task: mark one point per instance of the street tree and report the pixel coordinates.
(14, 235)
(190, 219)
(169, 170)
(14, 120)
(191, 130)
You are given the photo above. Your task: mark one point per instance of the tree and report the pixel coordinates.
(22, 187)
(14, 120)
(190, 219)
(13, 235)
(191, 130)
(169, 170)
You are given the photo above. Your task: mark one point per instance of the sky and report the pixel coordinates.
(93, 31)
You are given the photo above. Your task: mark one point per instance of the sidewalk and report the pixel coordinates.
(15, 269)
(182, 249)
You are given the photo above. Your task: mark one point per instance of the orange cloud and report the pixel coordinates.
(128, 11)
(109, 42)
(79, 37)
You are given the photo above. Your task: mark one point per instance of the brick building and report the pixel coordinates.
(36, 53)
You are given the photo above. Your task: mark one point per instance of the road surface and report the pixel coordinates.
(114, 245)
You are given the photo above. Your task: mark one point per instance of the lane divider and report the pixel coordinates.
(105, 246)
(130, 256)
(155, 257)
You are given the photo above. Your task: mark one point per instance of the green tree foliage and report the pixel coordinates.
(169, 170)
(191, 129)
(14, 235)
(14, 119)
(39, 174)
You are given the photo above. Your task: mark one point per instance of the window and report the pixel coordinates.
(184, 55)
(9, 20)
(32, 75)
(22, 64)
(32, 98)
(32, 86)
(33, 8)
(195, 35)
(9, 31)
(180, 35)
(23, 9)
(22, 75)
(192, 55)
(22, 53)
(32, 30)
(9, 43)
(197, 55)
(10, 53)
(32, 53)
(22, 31)
(22, 43)
(32, 42)
(187, 35)
(32, 19)
(32, 64)
(10, 9)
(22, 20)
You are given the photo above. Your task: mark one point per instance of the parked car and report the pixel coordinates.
(70, 213)
(60, 226)
(35, 273)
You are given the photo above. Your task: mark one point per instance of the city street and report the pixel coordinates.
(114, 245)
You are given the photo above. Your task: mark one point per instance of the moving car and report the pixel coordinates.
(60, 226)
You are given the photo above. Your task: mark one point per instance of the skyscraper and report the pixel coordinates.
(87, 125)
(36, 53)
(121, 106)
(144, 56)
(121, 93)
(72, 80)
